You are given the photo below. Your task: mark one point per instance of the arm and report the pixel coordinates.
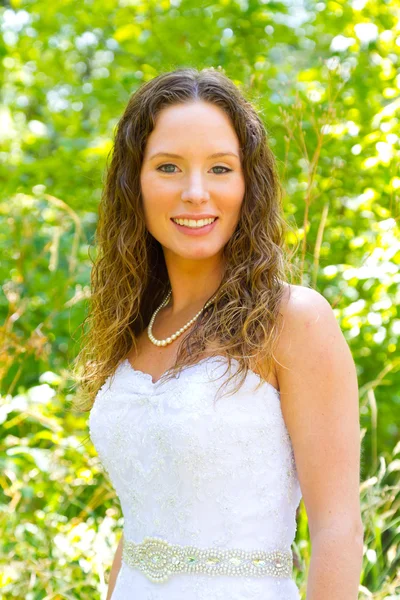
(115, 568)
(319, 399)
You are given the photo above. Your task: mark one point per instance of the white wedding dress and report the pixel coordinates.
(191, 472)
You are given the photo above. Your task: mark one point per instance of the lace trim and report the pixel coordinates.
(158, 560)
(146, 377)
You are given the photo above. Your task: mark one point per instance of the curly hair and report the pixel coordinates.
(129, 278)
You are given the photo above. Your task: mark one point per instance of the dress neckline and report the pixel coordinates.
(155, 384)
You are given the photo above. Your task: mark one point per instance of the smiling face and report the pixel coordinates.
(193, 182)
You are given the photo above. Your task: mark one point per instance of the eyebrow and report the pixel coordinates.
(171, 155)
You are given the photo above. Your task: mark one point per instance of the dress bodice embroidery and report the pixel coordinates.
(197, 472)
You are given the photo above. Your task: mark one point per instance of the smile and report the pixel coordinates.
(191, 228)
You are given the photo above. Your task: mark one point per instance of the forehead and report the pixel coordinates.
(195, 125)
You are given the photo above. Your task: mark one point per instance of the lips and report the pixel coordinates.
(195, 217)
(175, 219)
(195, 230)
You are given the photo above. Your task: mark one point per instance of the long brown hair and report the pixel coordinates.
(129, 278)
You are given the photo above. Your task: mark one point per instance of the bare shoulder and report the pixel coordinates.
(319, 400)
(303, 310)
(301, 297)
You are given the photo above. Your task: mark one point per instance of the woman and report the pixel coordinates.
(190, 287)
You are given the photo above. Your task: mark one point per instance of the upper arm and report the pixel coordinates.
(319, 399)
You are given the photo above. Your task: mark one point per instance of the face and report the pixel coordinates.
(192, 183)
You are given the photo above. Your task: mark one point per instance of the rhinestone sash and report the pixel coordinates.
(158, 560)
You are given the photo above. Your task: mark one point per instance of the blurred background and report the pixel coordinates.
(325, 77)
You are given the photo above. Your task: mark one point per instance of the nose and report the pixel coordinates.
(196, 190)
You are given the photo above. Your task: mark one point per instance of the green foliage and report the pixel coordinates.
(328, 88)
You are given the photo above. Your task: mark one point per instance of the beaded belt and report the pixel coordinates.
(158, 559)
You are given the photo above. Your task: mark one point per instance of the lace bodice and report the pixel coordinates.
(197, 472)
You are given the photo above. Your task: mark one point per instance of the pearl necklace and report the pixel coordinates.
(173, 337)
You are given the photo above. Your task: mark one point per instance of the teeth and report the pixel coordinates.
(194, 223)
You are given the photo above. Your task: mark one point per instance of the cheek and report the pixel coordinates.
(235, 187)
(154, 195)
(234, 196)
(155, 191)
(147, 184)
(241, 186)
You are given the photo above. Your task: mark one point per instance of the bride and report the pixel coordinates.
(191, 282)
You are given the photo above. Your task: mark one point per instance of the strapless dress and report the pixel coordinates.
(208, 490)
